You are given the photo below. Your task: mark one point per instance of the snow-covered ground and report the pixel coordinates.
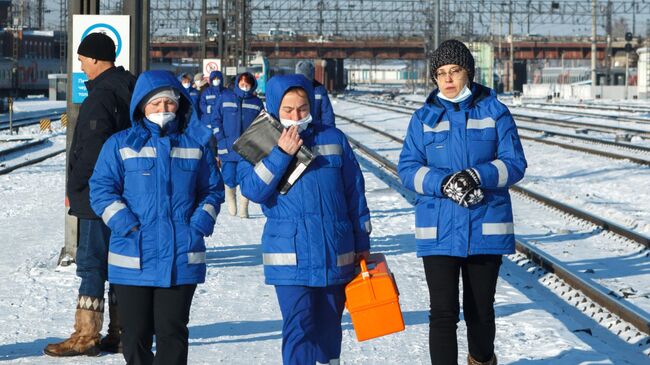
(235, 317)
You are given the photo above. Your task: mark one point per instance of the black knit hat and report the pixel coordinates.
(452, 52)
(98, 46)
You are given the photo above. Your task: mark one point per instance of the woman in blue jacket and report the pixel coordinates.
(314, 232)
(157, 188)
(461, 154)
(235, 112)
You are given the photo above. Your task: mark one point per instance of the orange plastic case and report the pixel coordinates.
(372, 299)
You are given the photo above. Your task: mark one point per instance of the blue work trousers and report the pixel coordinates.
(229, 173)
(311, 323)
(92, 256)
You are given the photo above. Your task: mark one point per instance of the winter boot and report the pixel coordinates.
(112, 342)
(472, 361)
(243, 207)
(231, 200)
(89, 318)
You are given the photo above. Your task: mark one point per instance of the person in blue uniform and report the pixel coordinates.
(315, 232)
(210, 97)
(235, 112)
(322, 105)
(461, 154)
(157, 188)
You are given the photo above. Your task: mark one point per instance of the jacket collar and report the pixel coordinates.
(90, 84)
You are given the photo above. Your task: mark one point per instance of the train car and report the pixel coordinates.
(29, 78)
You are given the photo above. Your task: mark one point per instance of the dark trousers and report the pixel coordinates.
(92, 256)
(479, 275)
(147, 311)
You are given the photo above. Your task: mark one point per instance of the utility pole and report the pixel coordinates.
(608, 52)
(436, 25)
(593, 45)
(69, 251)
(511, 73)
(139, 11)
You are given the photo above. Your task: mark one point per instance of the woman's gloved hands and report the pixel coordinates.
(463, 187)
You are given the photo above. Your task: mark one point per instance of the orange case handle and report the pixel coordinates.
(364, 269)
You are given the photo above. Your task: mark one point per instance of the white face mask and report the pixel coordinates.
(302, 123)
(161, 118)
(245, 88)
(186, 85)
(462, 95)
(216, 82)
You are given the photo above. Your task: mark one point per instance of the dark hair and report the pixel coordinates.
(248, 78)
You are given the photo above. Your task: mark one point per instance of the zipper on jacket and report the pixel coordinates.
(469, 220)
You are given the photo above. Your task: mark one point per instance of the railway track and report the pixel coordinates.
(554, 108)
(32, 119)
(596, 293)
(638, 154)
(13, 158)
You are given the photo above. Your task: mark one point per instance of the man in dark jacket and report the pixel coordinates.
(104, 112)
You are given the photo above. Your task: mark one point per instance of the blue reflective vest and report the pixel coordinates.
(313, 232)
(445, 137)
(164, 182)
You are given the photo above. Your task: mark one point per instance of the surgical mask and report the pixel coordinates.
(161, 118)
(216, 82)
(186, 85)
(462, 95)
(302, 123)
(245, 88)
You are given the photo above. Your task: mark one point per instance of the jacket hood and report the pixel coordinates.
(216, 75)
(151, 81)
(245, 94)
(279, 85)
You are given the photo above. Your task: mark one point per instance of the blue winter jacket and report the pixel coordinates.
(322, 105)
(166, 183)
(313, 232)
(235, 112)
(210, 98)
(445, 137)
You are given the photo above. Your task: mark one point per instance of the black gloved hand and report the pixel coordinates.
(462, 187)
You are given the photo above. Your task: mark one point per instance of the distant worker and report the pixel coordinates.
(236, 111)
(200, 84)
(104, 112)
(186, 81)
(210, 96)
(156, 187)
(322, 107)
(461, 154)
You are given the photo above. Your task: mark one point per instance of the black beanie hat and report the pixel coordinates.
(98, 46)
(452, 52)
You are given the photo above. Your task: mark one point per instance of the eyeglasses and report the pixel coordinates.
(454, 73)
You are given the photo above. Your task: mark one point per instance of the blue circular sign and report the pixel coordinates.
(118, 46)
